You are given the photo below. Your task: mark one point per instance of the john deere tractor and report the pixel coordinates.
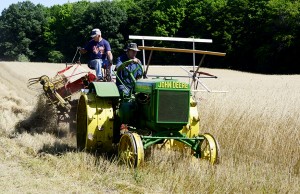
(158, 111)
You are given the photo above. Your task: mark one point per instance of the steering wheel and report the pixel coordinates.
(128, 78)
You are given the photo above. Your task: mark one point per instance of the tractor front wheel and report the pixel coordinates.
(131, 151)
(209, 149)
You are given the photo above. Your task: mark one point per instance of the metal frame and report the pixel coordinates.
(193, 40)
(194, 76)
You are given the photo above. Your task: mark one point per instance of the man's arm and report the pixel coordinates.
(110, 57)
(118, 63)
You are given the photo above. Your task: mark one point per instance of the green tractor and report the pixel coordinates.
(158, 111)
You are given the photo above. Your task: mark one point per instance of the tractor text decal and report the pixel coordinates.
(174, 85)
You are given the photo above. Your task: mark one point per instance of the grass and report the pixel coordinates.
(256, 123)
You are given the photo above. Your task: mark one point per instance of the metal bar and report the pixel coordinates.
(212, 91)
(62, 102)
(202, 59)
(194, 59)
(189, 75)
(196, 79)
(203, 85)
(148, 63)
(117, 77)
(144, 55)
(147, 142)
(170, 39)
(181, 50)
(195, 72)
(176, 138)
(149, 59)
(180, 76)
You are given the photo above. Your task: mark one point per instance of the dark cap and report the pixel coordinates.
(132, 46)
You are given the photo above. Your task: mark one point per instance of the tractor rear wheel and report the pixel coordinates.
(82, 124)
(210, 149)
(95, 123)
(131, 150)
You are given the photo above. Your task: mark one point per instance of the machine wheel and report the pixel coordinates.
(94, 123)
(131, 150)
(82, 123)
(210, 149)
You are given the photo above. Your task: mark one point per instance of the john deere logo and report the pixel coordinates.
(173, 85)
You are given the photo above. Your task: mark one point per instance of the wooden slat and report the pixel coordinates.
(181, 50)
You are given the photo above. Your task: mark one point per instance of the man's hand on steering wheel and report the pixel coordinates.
(131, 72)
(136, 60)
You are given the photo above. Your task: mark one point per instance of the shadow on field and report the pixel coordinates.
(45, 119)
(56, 149)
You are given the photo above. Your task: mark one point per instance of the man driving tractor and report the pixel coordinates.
(128, 64)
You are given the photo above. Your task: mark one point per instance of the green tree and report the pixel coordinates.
(64, 28)
(257, 35)
(168, 16)
(154, 17)
(282, 43)
(139, 17)
(21, 30)
(55, 56)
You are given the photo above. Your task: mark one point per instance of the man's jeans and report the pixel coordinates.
(97, 65)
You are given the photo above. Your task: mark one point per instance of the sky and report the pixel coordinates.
(4, 4)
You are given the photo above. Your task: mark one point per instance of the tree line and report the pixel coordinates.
(257, 35)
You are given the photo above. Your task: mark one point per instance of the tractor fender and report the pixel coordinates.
(104, 89)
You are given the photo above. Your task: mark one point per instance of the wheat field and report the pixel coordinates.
(256, 123)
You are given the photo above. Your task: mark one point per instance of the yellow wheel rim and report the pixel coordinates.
(210, 149)
(131, 151)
